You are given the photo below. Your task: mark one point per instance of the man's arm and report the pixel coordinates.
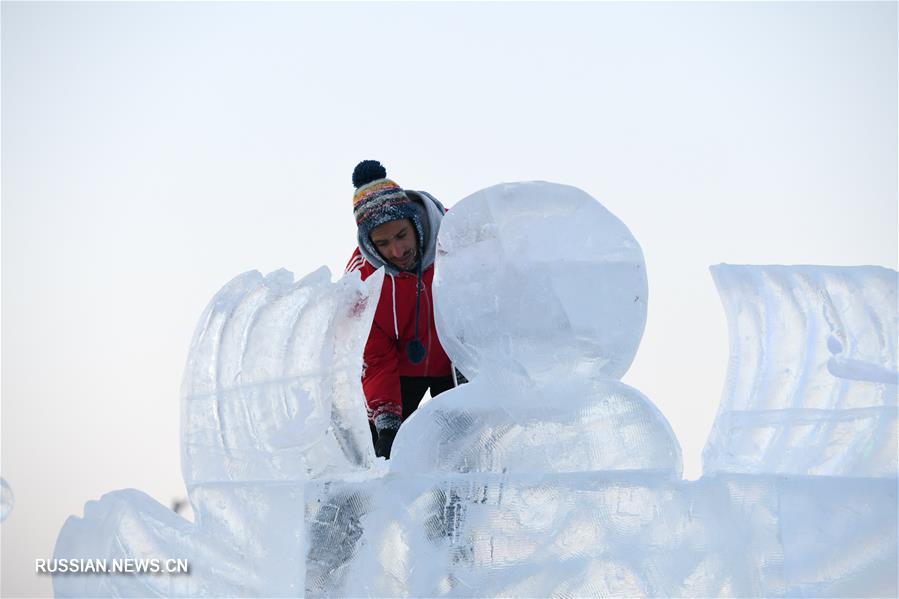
(380, 377)
(381, 384)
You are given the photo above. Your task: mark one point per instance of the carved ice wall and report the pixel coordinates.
(545, 475)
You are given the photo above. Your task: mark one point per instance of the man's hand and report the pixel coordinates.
(384, 443)
(386, 425)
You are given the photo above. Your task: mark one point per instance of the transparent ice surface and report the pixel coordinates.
(538, 278)
(577, 425)
(812, 378)
(540, 299)
(545, 475)
(7, 499)
(625, 534)
(268, 402)
(270, 377)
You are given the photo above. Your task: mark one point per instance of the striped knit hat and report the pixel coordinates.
(379, 200)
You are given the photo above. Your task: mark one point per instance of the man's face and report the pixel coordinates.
(397, 243)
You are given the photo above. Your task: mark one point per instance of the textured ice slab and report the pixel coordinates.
(576, 425)
(600, 535)
(528, 252)
(270, 400)
(271, 386)
(812, 379)
(7, 499)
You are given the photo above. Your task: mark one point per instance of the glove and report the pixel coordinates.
(384, 443)
(386, 425)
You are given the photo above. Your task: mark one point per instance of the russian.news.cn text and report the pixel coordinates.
(112, 566)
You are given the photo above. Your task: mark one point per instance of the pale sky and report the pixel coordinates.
(153, 151)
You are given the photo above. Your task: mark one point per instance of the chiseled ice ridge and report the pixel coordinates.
(269, 381)
(545, 475)
(269, 401)
(812, 378)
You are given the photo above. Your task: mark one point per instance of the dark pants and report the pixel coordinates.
(413, 390)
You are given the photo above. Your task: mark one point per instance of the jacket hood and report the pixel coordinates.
(430, 213)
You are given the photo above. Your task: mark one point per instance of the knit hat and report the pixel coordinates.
(379, 200)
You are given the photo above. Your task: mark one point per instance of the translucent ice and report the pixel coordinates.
(812, 381)
(537, 480)
(577, 425)
(544, 476)
(269, 401)
(7, 499)
(272, 381)
(539, 278)
(540, 298)
(624, 534)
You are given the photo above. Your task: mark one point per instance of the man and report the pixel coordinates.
(403, 358)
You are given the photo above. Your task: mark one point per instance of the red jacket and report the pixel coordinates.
(385, 359)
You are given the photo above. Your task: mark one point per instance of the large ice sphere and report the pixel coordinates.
(538, 277)
(576, 425)
(540, 298)
(812, 379)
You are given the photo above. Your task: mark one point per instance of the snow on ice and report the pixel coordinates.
(545, 475)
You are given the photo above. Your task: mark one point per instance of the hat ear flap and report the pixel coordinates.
(419, 232)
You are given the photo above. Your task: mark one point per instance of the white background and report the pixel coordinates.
(151, 152)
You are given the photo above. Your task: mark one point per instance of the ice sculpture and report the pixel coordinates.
(266, 405)
(544, 342)
(621, 534)
(7, 499)
(270, 379)
(539, 278)
(812, 380)
(545, 475)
